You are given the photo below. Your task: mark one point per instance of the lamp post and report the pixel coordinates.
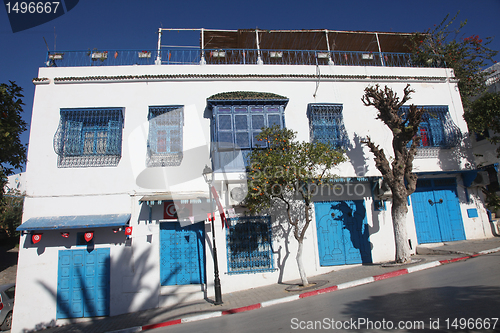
(209, 177)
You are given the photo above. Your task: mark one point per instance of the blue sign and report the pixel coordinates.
(28, 14)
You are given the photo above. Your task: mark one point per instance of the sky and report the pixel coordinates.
(133, 24)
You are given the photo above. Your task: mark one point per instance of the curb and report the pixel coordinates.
(341, 286)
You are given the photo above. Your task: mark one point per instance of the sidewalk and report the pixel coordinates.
(438, 254)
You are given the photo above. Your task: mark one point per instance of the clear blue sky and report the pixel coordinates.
(132, 24)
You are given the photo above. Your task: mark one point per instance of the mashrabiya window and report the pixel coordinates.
(236, 125)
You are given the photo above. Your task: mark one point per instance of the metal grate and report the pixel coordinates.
(249, 247)
(326, 124)
(165, 136)
(437, 129)
(89, 137)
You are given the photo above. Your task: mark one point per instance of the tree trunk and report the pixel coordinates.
(302, 272)
(399, 211)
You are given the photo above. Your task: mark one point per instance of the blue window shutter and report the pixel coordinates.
(274, 119)
(258, 122)
(225, 131)
(240, 122)
(225, 123)
(242, 139)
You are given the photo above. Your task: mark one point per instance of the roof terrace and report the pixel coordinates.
(241, 47)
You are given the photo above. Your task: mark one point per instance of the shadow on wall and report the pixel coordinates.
(353, 216)
(357, 157)
(127, 269)
(451, 159)
(283, 232)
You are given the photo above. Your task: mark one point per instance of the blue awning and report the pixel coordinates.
(75, 222)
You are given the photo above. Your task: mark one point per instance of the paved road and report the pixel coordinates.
(431, 299)
(8, 261)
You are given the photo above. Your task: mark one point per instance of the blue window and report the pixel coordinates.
(236, 125)
(165, 135)
(437, 129)
(248, 241)
(326, 125)
(89, 137)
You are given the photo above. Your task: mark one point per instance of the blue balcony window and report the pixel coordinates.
(249, 248)
(89, 137)
(165, 135)
(326, 125)
(437, 129)
(235, 126)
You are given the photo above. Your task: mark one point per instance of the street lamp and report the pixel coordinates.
(208, 174)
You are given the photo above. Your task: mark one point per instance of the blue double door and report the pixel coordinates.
(436, 211)
(83, 283)
(343, 233)
(182, 254)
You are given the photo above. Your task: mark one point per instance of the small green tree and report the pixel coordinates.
(399, 173)
(11, 211)
(468, 56)
(12, 151)
(484, 115)
(283, 171)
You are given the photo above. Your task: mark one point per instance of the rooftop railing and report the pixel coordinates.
(176, 56)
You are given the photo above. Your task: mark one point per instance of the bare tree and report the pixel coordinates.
(399, 173)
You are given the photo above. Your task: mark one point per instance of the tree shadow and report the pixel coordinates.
(352, 216)
(357, 157)
(451, 159)
(427, 305)
(283, 230)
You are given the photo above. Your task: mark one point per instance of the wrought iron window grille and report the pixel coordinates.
(326, 125)
(89, 137)
(437, 130)
(249, 245)
(165, 138)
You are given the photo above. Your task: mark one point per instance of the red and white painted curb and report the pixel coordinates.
(341, 286)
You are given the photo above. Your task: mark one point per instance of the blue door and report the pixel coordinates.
(182, 254)
(436, 211)
(343, 235)
(83, 283)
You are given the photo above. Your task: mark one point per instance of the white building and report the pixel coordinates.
(118, 141)
(15, 183)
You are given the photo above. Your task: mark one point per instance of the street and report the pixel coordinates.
(463, 296)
